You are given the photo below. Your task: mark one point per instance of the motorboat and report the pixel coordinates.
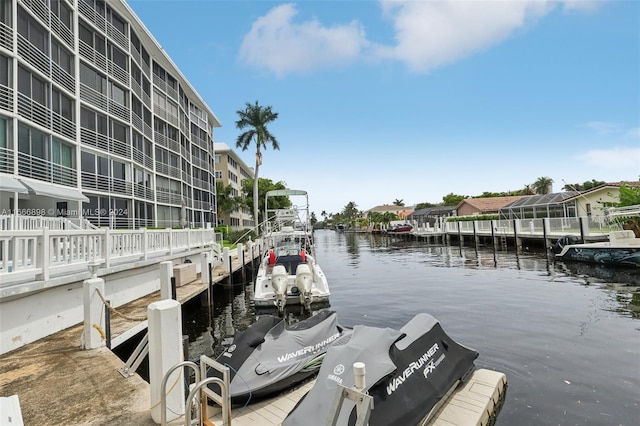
(410, 373)
(622, 249)
(271, 356)
(288, 272)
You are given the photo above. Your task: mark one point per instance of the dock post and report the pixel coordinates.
(476, 237)
(165, 351)
(516, 232)
(494, 228)
(240, 250)
(250, 250)
(584, 227)
(93, 313)
(545, 234)
(166, 272)
(204, 268)
(226, 258)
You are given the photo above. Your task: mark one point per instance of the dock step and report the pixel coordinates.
(10, 413)
(477, 402)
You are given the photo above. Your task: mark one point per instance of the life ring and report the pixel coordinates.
(272, 258)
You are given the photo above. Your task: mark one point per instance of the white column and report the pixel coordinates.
(250, 249)
(166, 272)
(226, 258)
(204, 268)
(240, 250)
(165, 351)
(92, 337)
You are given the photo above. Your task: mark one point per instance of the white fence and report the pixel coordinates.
(557, 226)
(38, 254)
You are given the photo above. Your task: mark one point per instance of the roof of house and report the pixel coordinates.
(389, 208)
(489, 204)
(633, 184)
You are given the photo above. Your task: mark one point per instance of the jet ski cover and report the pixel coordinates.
(268, 354)
(407, 373)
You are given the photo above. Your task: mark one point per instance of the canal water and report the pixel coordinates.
(566, 335)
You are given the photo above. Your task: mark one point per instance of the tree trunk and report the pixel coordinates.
(255, 190)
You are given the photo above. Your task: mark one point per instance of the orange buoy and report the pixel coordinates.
(303, 255)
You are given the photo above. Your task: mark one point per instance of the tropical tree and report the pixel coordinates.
(225, 201)
(542, 185)
(527, 190)
(453, 199)
(264, 186)
(350, 212)
(582, 186)
(630, 196)
(255, 118)
(398, 202)
(421, 206)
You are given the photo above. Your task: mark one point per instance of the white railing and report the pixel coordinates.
(556, 226)
(38, 254)
(623, 211)
(34, 223)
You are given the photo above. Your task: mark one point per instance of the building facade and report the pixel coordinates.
(97, 122)
(232, 171)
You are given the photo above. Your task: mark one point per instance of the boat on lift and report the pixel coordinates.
(289, 272)
(622, 249)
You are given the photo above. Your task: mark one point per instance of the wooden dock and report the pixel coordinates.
(58, 383)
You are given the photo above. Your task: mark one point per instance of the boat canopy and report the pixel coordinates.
(285, 192)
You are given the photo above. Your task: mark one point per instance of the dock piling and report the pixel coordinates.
(165, 351)
(93, 309)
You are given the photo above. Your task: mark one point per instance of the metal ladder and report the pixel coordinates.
(363, 401)
(201, 392)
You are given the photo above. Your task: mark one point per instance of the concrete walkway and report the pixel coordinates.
(60, 384)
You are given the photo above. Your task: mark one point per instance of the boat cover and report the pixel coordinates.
(407, 372)
(271, 356)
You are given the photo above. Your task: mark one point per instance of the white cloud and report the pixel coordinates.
(433, 33)
(581, 5)
(604, 127)
(634, 133)
(282, 46)
(428, 33)
(617, 159)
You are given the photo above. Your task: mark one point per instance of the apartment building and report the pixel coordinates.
(232, 171)
(97, 122)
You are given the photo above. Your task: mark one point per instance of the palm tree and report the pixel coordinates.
(398, 202)
(256, 118)
(527, 190)
(543, 185)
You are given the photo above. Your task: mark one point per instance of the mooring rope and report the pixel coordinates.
(113, 310)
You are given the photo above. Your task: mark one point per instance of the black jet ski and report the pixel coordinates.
(271, 356)
(408, 372)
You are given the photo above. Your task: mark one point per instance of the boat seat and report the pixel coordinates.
(289, 262)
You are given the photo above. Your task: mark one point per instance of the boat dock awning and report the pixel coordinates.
(54, 191)
(10, 184)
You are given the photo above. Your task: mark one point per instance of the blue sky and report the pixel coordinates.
(413, 100)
